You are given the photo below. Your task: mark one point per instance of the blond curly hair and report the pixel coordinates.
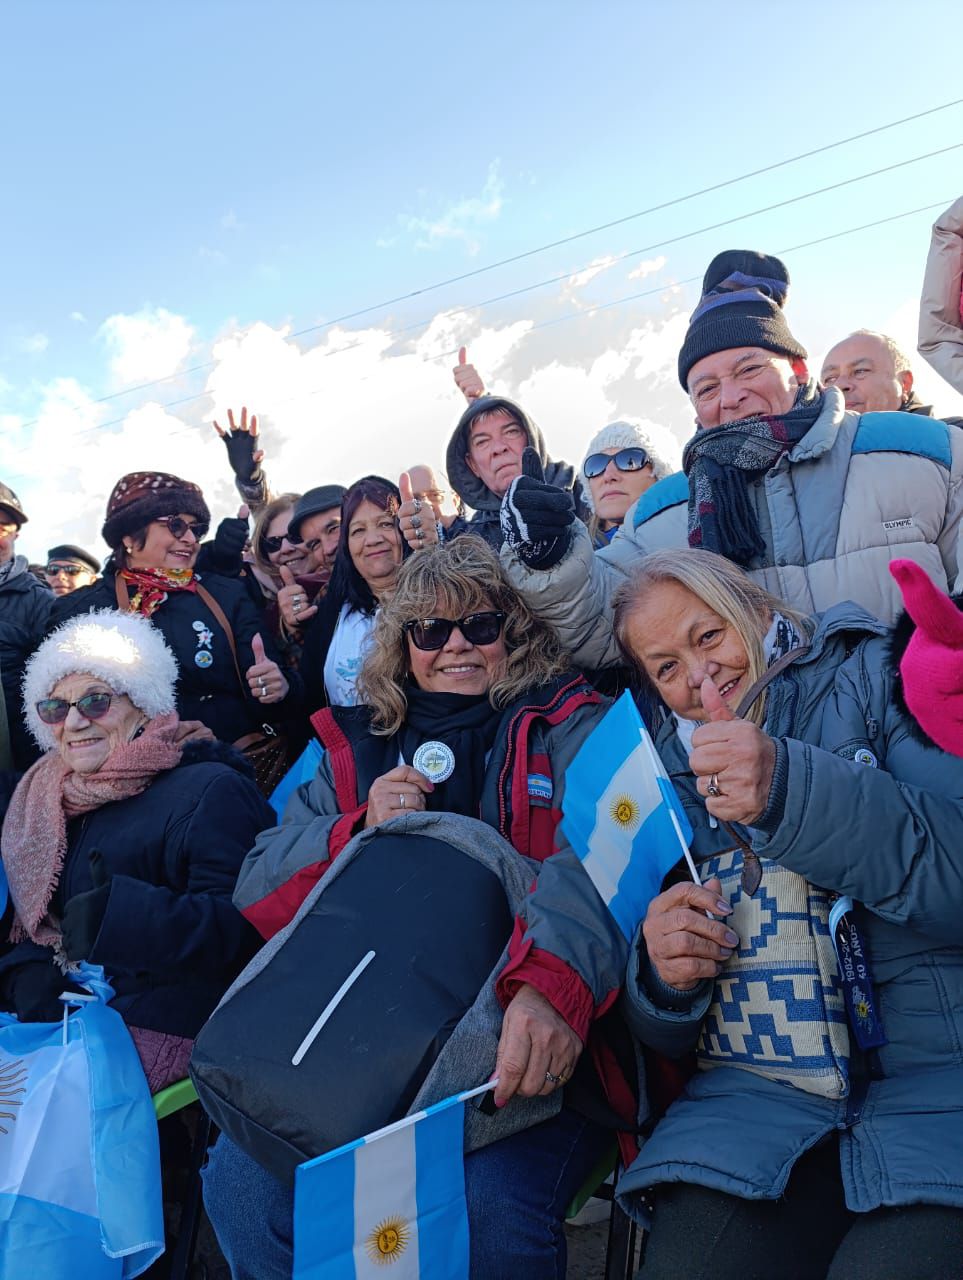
(453, 580)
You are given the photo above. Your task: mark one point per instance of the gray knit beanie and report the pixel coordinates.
(624, 434)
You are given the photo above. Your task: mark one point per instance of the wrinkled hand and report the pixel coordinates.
(535, 1040)
(536, 517)
(740, 755)
(265, 678)
(684, 945)
(242, 451)
(417, 520)
(467, 378)
(192, 731)
(84, 912)
(293, 600)
(398, 791)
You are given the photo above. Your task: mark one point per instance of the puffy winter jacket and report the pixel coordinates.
(170, 941)
(941, 324)
(857, 491)
(871, 812)
(25, 606)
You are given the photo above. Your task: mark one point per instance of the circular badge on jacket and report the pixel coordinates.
(435, 761)
(203, 658)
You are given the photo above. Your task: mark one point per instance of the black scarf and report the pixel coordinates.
(465, 723)
(720, 463)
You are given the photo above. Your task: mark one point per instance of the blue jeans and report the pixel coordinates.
(517, 1192)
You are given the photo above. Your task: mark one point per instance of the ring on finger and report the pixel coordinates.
(553, 1079)
(713, 788)
(401, 798)
(416, 522)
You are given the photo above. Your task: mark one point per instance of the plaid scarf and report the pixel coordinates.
(151, 587)
(720, 463)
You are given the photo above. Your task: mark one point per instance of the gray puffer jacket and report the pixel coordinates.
(941, 325)
(857, 491)
(886, 832)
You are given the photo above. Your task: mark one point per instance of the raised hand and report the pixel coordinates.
(536, 517)
(264, 677)
(733, 761)
(241, 440)
(467, 378)
(686, 946)
(417, 526)
(293, 600)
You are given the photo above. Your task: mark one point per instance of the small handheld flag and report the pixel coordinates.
(622, 816)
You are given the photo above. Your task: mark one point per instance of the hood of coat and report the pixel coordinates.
(463, 480)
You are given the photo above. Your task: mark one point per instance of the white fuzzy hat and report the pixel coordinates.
(123, 649)
(663, 450)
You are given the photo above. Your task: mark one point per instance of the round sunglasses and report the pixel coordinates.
(179, 526)
(626, 460)
(71, 570)
(477, 628)
(92, 706)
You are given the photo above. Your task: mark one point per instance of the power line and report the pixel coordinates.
(553, 244)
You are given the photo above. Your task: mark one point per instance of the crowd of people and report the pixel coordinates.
(781, 608)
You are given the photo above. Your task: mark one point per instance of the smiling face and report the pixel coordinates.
(9, 529)
(864, 369)
(679, 641)
(614, 491)
(84, 745)
(458, 666)
(374, 544)
(64, 576)
(161, 550)
(744, 382)
(496, 443)
(321, 533)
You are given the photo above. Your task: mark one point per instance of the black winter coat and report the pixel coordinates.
(25, 606)
(210, 693)
(171, 941)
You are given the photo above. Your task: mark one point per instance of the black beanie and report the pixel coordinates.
(743, 294)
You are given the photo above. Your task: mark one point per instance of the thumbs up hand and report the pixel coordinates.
(84, 912)
(416, 519)
(264, 677)
(536, 517)
(732, 759)
(467, 378)
(293, 600)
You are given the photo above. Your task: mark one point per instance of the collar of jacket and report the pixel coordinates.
(821, 436)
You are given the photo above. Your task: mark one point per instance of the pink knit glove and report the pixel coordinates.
(932, 666)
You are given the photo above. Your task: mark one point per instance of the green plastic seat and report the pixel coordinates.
(603, 1167)
(176, 1096)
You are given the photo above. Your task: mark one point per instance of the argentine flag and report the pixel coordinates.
(395, 1197)
(621, 814)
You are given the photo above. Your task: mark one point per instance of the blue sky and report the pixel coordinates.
(191, 183)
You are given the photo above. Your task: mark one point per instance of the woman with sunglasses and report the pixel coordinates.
(121, 845)
(229, 675)
(470, 707)
(623, 460)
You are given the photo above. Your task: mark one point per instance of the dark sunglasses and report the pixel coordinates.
(273, 545)
(92, 706)
(179, 527)
(477, 628)
(71, 570)
(626, 460)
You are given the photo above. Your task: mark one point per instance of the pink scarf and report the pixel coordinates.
(34, 837)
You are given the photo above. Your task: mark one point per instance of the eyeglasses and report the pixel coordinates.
(273, 545)
(179, 526)
(71, 570)
(92, 706)
(477, 628)
(626, 460)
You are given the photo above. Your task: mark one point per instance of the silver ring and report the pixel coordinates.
(401, 797)
(416, 522)
(296, 608)
(420, 535)
(713, 788)
(418, 504)
(553, 1079)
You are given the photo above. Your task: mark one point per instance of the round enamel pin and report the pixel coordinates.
(202, 658)
(435, 761)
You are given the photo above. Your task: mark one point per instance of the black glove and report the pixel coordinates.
(34, 989)
(84, 913)
(241, 446)
(225, 556)
(536, 517)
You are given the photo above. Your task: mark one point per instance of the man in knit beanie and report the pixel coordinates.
(811, 499)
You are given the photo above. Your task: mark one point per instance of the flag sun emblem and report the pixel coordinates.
(13, 1079)
(388, 1241)
(624, 811)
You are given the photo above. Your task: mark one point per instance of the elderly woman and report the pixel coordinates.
(818, 971)
(470, 707)
(122, 844)
(366, 564)
(229, 677)
(622, 461)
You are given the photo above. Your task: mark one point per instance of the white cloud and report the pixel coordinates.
(145, 345)
(34, 344)
(78, 317)
(647, 267)
(463, 220)
(595, 268)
